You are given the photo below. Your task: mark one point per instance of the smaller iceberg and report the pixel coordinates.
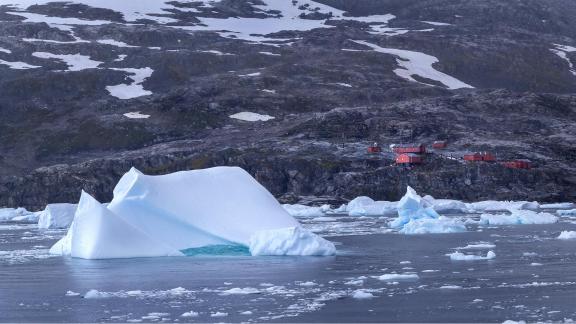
(518, 217)
(18, 215)
(413, 207)
(57, 216)
(365, 206)
(417, 216)
(298, 210)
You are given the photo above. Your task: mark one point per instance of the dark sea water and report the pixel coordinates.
(532, 278)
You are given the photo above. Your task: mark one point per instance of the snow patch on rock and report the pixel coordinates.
(251, 116)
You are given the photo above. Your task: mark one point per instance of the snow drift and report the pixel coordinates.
(186, 210)
(56, 216)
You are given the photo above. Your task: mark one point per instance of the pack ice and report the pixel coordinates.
(163, 215)
(416, 215)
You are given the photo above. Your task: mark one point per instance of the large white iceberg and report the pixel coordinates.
(413, 207)
(188, 210)
(518, 217)
(56, 216)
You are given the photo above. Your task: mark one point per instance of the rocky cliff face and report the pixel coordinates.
(87, 92)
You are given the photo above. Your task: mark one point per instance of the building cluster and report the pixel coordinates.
(414, 154)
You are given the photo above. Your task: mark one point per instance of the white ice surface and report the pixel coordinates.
(298, 210)
(494, 205)
(98, 233)
(116, 43)
(567, 235)
(564, 205)
(415, 63)
(438, 225)
(4, 50)
(75, 62)
(398, 276)
(518, 217)
(365, 206)
(251, 116)
(57, 216)
(17, 214)
(135, 88)
(290, 241)
(459, 256)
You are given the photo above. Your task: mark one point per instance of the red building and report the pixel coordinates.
(484, 156)
(439, 145)
(518, 164)
(408, 158)
(409, 148)
(374, 148)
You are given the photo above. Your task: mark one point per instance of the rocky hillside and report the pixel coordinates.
(293, 91)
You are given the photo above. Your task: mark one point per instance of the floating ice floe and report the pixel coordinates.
(494, 205)
(251, 116)
(518, 217)
(362, 294)
(398, 276)
(567, 235)
(415, 63)
(201, 209)
(298, 210)
(459, 256)
(566, 212)
(57, 216)
(564, 205)
(17, 214)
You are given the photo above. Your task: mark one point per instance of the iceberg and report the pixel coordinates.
(567, 235)
(433, 226)
(298, 210)
(365, 206)
(57, 216)
(290, 241)
(447, 206)
(494, 205)
(165, 215)
(17, 214)
(564, 205)
(413, 207)
(518, 217)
